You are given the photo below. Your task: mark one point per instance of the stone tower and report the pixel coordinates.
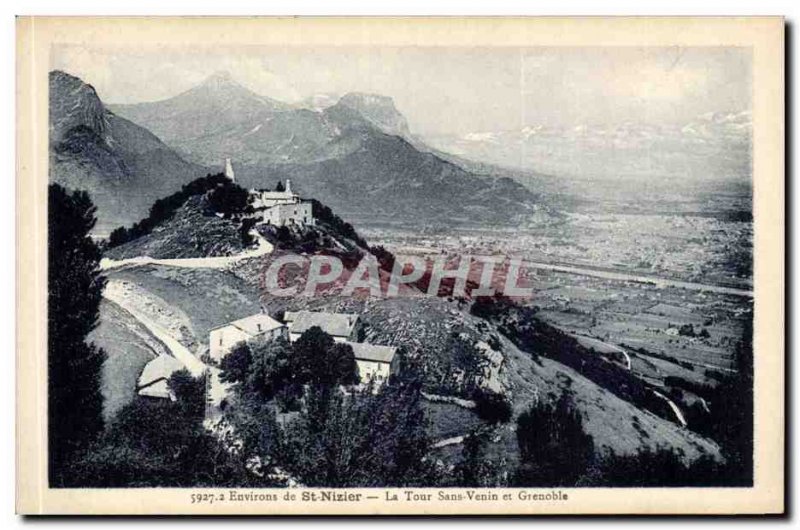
(229, 170)
(288, 186)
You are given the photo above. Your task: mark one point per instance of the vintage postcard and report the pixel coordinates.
(400, 266)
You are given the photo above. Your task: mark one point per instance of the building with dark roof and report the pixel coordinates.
(341, 326)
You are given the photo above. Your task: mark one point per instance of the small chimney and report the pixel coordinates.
(288, 186)
(229, 170)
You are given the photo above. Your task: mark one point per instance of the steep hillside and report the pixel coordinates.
(193, 231)
(222, 119)
(414, 186)
(122, 165)
(456, 351)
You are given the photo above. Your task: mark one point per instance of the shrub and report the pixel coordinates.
(492, 406)
(554, 448)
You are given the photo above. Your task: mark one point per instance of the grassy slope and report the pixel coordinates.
(189, 233)
(614, 424)
(208, 297)
(128, 347)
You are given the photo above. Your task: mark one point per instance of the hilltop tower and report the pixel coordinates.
(229, 170)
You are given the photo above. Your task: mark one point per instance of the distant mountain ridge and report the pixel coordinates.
(716, 145)
(123, 166)
(356, 155)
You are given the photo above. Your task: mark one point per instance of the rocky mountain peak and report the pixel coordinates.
(220, 79)
(379, 110)
(74, 103)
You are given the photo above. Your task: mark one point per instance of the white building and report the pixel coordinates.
(341, 326)
(281, 208)
(268, 199)
(375, 363)
(222, 339)
(289, 214)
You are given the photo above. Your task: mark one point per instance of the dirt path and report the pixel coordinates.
(219, 262)
(124, 295)
(613, 347)
(675, 409)
(449, 441)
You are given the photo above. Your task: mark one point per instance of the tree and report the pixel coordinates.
(244, 231)
(491, 406)
(360, 439)
(190, 394)
(280, 186)
(319, 360)
(270, 373)
(235, 366)
(156, 443)
(475, 470)
(75, 288)
(554, 448)
(228, 198)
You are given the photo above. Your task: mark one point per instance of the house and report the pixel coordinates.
(268, 199)
(155, 375)
(278, 208)
(281, 208)
(224, 338)
(289, 214)
(341, 326)
(375, 363)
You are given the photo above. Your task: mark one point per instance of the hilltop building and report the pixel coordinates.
(281, 208)
(268, 199)
(277, 208)
(229, 170)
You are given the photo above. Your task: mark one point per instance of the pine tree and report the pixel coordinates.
(554, 448)
(75, 288)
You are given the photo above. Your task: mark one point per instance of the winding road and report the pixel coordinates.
(216, 262)
(675, 409)
(584, 339)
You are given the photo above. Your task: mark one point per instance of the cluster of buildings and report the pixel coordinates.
(278, 208)
(375, 363)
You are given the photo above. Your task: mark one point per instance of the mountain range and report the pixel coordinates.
(355, 154)
(124, 166)
(711, 146)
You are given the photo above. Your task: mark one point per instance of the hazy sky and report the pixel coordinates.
(448, 90)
